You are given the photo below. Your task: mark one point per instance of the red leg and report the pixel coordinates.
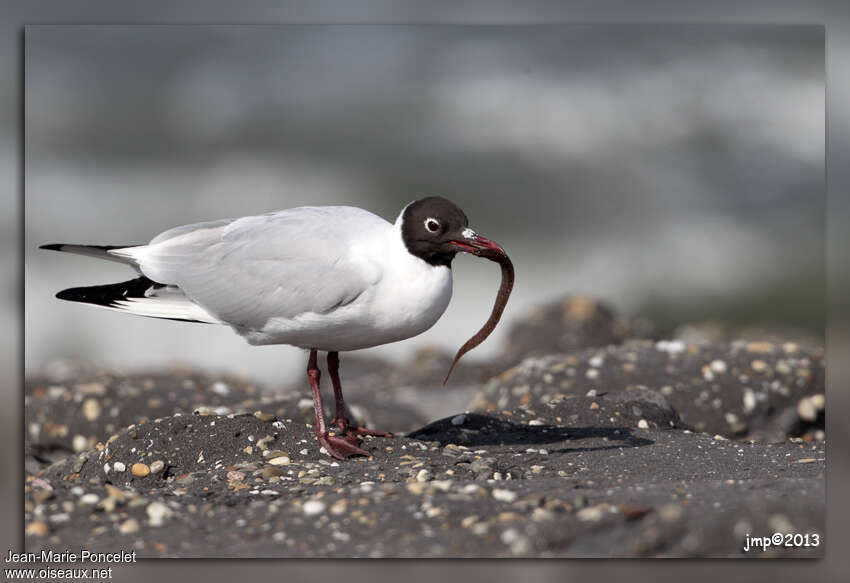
(340, 416)
(339, 447)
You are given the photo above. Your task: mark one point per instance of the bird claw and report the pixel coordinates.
(354, 430)
(341, 447)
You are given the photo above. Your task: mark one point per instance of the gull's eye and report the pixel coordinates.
(432, 225)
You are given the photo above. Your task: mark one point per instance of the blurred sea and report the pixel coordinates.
(675, 171)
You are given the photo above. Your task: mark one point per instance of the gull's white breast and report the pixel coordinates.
(408, 298)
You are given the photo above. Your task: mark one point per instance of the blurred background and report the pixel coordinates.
(674, 171)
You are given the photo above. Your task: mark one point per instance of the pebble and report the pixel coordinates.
(265, 417)
(313, 507)
(281, 460)
(157, 466)
(234, 476)
(718, 366)
(339, 507)
(749, 400)
(590, 514)
(220, 388)
(670, 346)
(90, 499)
(424, 475)
(42, 496)
(78, 465)
(643, 424)
(758, 365)
(504, 495)
(807, 410)
(458, 420)
(37, 528)
(129, 526)
(157, 513)
(91, 409)
(670, 512)
(594, 406)
(141, 470)
(118, 467)
(79, 443)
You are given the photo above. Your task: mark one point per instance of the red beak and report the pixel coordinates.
(475, 244)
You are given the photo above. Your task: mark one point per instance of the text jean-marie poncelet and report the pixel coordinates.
(82, 556)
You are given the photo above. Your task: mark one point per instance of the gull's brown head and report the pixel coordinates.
(435, 230)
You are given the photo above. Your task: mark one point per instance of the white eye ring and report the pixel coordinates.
(432, 225)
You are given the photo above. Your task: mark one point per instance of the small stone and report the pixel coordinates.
(417, 488)
(119, 467)
(157, 513)
(670, 512)
(542, 515)
(424, 475)
(594, 406)
(592, 373)
(458, 420)
(590, 514)
(78, 464)
(643, 424)
(157, 466)
(718, 366)
(807, 460)
(313, 507)
(235, 476)
(42, 496)
(758, 365)
(760, 347)
(806, 410)
(79, 443)
(90, 499)
(129, 526)
(272, 471)
(37, 528)
(504, 495)
(281, 460)
(91, 409)
(220, 388)
(141, 470)
(749, 400)
(265, 417)
(115, 493)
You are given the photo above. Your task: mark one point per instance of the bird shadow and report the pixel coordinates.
(482, 430)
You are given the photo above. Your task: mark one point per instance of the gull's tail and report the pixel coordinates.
(141, 296)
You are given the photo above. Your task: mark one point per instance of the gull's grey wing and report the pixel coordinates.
(245, 271)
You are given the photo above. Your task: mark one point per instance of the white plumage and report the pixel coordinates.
(333, 278)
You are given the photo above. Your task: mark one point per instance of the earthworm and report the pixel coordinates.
(501, 301)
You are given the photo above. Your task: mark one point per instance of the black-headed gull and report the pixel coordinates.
(333, 278)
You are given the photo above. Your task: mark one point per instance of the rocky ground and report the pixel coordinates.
(588, 437)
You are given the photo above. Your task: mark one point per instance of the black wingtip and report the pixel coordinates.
(71, 294)
(52, 247)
